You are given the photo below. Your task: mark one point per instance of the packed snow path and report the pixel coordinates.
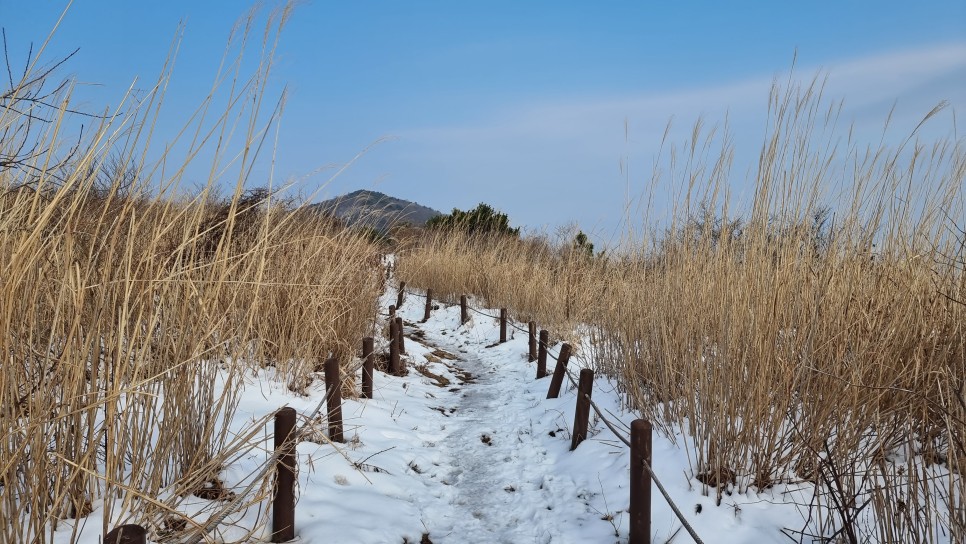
(505, 484)
(474, 452)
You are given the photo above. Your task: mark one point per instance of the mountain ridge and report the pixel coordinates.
(376, 210)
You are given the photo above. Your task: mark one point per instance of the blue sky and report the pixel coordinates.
(523, 105)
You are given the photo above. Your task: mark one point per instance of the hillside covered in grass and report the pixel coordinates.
(801, 345)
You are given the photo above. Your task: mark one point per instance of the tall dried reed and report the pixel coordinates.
(130, 309)
(506, 272)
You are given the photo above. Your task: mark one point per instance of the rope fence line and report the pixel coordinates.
(660, 486)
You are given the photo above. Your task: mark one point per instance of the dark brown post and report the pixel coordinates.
(401, 342)
(399, 334)
(581, 416)
(542, 355)
(392, 311)
(283, 504)
(558, 372)
(640, 509)
(127, 534)
(333, 396)
(464, 311)
(429, 304)
(393, 348)
(368, 358)
(502, 325)
(532, 342)
(399, 297)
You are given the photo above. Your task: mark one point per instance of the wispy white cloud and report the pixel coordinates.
(894, 74)
(571, 147)
(862, 82)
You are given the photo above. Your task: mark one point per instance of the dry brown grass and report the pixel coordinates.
(784, 349)
(129, 312)
(528, 276)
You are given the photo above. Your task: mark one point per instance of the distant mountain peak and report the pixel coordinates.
(374, 209)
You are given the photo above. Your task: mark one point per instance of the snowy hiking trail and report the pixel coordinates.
(478, 454)
(502, 478)
(466, 448)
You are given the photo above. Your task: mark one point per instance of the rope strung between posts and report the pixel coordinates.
(667, 497)
(674, 507)
(660, 486)
(474, 310)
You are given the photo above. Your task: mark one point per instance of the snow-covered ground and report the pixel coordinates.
(467, 449)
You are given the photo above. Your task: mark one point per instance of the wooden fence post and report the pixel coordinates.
(283, 504)
(399, 334)
(333, 397)
(368, 360)
(127, 534)
(502, 325)
(399, 296)
(542, 355)
(429, 304)
(393, 348)
(558, 372)
(392, 311)
(464, 310)
(532, 342)
(640, 508)
(582, 414)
